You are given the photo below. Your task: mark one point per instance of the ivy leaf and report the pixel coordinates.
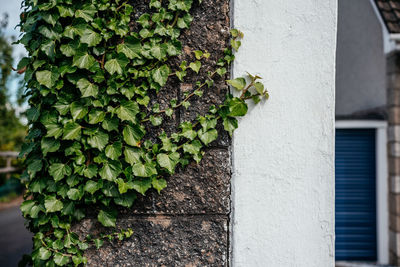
(111, 170)
(49, 145)
(142, 186)
(99, 140)
(87, 12)
(72, 131)
(207, 136)
(185, 21)
(59, 170)
(127, 111)
(44, 254)
(52, 204)
(91, 187)
(126, 200)
(131, 48)
(132, 155)
(159, 184)
(83, 61)
(159, 51)
(237, 107)
(133, 134)
(161, 74)
(238, 83)
(61, 259)
(90, 37)
(230, 124)
(65, 11)
(74, 194)
(116, 65)
(107, 217)
(87, 88)
(192, 148)
(144, 170)
(156, 120)
(259, 88)
(168, 161)
(78, 111)
(47, 78)
(114, 151)
(90, 171)
(195, 66)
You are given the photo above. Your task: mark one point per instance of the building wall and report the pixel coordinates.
(283, 152)
(360, 61)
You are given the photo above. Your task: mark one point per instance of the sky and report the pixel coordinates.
(12, 8)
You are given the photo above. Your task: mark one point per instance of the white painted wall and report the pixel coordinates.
(283, 153)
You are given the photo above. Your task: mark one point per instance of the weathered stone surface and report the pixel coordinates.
(202, 188)
(187, 224)
(165, 241)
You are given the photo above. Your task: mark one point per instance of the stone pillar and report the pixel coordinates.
(188, 223)
(393, 109)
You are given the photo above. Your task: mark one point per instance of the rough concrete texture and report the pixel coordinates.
(283, 151)
(187, 224)
(165, 241)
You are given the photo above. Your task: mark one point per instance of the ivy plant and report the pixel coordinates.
(91, 76)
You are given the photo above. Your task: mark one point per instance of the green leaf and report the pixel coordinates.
(96, 116)
(59, 171)
(159, 184)
(168, 161)
(90, 37)
(114, 151)
(238, 83)
(126, 200)
(99, 140)
(68, 50)
(161, 74)
(132, 155)
(142, 186)
(107, 217)
(91, 187)
(52, 204)
(49, 145)
(133, 134)
(65, 11)
(156, 120)
(127, 111)
(237, 107)
(236, 44)
(47, 78)
(87, 88)
(192, 148)
(116, 65)
(74, 194)
(131, 48)
(111, 170)
(144, 170)
(83, 61)
(198, 54)
(230, 124)
(87, 12)
(90, 171)
(159, 51)
(44, 254)
(259, 88)
(195, 66)
(207, 136)
(78, 111)
(61, 259)
(72, 131)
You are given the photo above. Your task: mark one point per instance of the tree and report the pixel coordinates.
(12, 131)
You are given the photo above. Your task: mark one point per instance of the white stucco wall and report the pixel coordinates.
(283, 152)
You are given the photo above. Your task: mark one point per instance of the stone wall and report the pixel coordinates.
(188, 223)
(393, 108)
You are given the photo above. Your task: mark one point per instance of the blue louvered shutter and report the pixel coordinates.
(355, 201)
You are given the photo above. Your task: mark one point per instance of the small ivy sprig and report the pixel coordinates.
(90, 80)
